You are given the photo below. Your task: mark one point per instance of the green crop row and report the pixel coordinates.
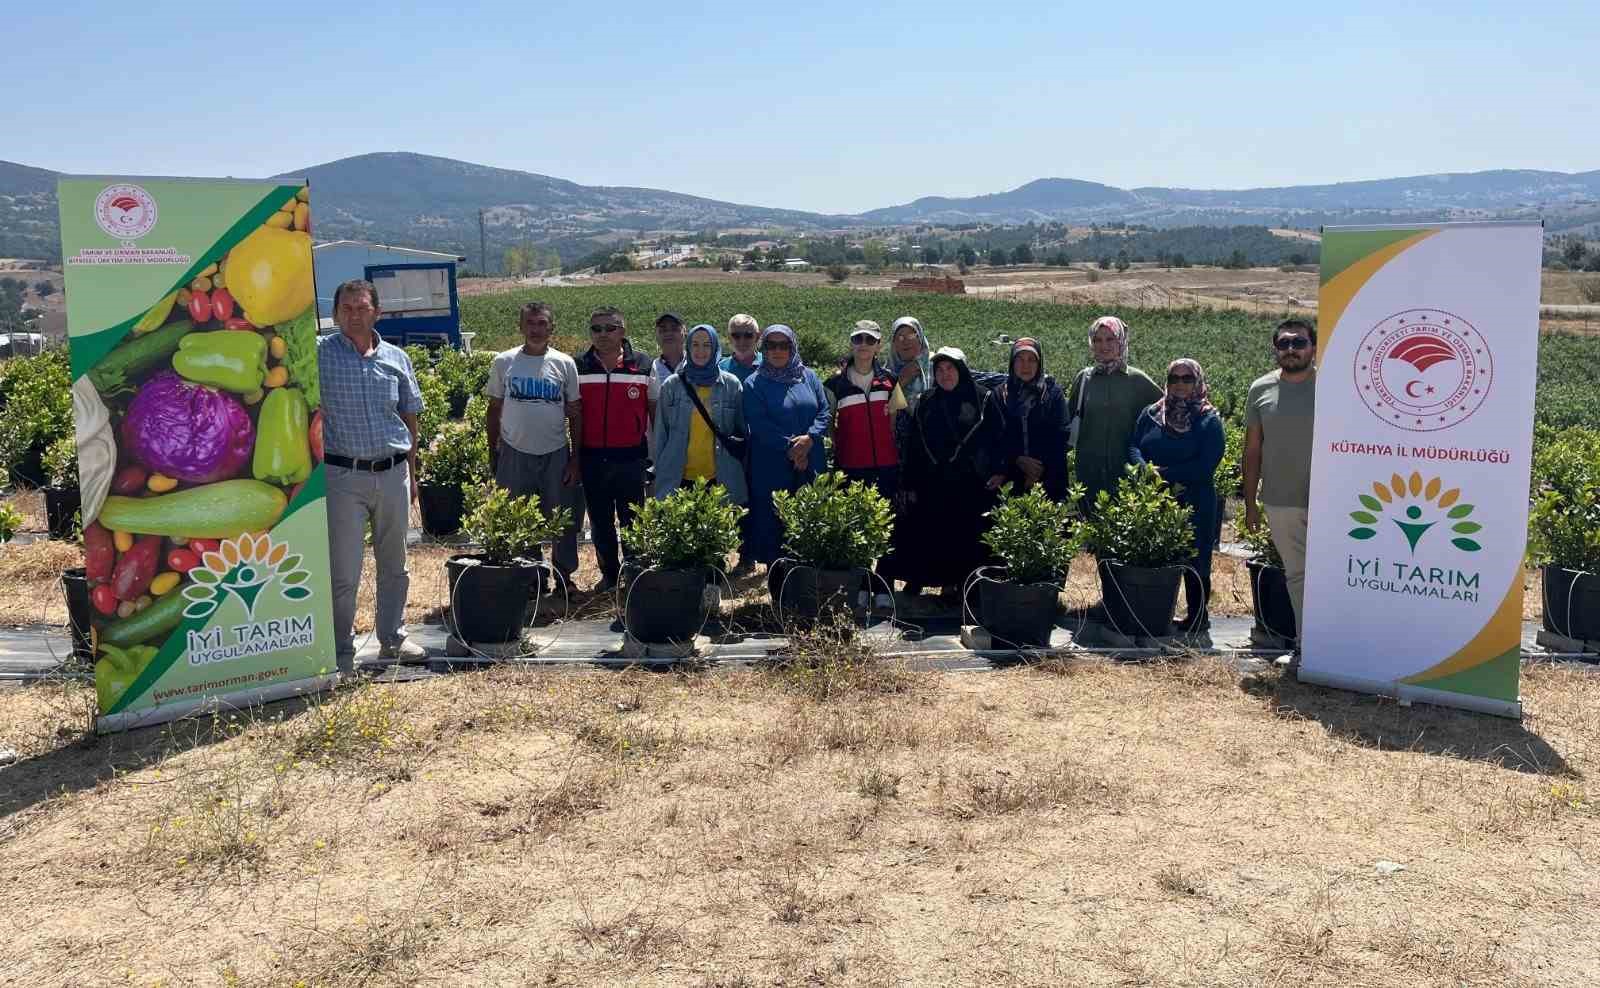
(1234, 347)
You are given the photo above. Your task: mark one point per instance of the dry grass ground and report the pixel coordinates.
(1063, 824)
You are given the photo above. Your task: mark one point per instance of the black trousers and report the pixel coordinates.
(611, 490)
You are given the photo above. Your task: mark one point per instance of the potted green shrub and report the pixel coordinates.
(1034, 538)
(35, 408)
(463, 376)
(456, 459)
(1229, 476)
(1269, 586)
(1142, 538)
(676, 543)
(835, 531)
(1564, 529)
(489, 589)
(61, 492)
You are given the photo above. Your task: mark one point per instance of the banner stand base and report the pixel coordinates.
(1407, 694)
(205, 705)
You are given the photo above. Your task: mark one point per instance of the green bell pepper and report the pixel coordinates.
(229, 359)
(117, 670)
(283, 445)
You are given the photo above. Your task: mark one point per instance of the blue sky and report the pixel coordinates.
(820, 105)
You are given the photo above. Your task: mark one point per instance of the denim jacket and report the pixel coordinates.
(675, 412)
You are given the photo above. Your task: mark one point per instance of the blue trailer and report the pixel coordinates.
(416, 289)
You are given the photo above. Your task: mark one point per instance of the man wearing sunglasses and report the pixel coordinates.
(1277, 450)
(618, 395)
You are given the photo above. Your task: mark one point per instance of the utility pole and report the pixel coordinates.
(483, 246)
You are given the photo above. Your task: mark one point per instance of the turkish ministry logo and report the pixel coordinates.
(244, 567)
(1423, 370)
(1416, 507)
(126, 212)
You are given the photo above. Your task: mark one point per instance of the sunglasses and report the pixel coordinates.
(1292, 343)
(776, 345)
(1181, 379)
(603, 329)
(744, 336)
(863, 339)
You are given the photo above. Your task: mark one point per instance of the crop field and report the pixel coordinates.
(1232, 346)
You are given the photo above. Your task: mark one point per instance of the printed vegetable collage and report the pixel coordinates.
(213, 402)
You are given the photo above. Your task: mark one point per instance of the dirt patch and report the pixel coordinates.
(1079, 823)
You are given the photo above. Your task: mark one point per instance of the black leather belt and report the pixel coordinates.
(371, 466)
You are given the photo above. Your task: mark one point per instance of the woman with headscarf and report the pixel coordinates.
(700, 410)
(1032, 414)
(1181, 436)
(1103, 403)
(909, 360)
(787, 414)
(948, 476)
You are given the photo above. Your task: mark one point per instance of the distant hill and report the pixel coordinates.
(418, 199)
(425, 201)
(29, 223)
(1042, 199)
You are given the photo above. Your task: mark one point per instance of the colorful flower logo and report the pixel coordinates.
(1417, 502)
(244, 567)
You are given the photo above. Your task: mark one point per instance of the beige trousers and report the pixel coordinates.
(1288, 527)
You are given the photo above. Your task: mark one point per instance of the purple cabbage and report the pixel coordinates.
(188, 431)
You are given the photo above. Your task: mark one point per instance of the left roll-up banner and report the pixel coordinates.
(191, 316)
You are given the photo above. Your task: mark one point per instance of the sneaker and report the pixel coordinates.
(746, 567)
(606, 585)
(404, 650)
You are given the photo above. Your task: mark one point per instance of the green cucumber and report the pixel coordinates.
(211, 511)
(138, 355)
(152, 623)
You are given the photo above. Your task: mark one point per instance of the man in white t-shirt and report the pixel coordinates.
(533, 397)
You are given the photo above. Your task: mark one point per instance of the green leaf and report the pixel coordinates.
(1466, 527)
(204, 576)
(1371, 502)
(1466, 545)
(1460, 511)
(296, 593)
(1362, 533)
(1364, 517)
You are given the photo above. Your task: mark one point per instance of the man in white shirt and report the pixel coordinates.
(533, 397)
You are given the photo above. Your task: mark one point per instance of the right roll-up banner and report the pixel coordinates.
(1428, 351)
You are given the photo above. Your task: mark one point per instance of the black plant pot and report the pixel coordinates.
(1140, 600)
(1572, 603)
(441, 506)
(488, 601)
(1269, 595)
(29, 470)
(458, 405)
(76, 587)
(60, 510)
(663, 606)
(806, 593)
(1019, 615)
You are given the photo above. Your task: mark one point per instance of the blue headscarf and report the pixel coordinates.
(697, 375)
(923, 381)
(792, 372)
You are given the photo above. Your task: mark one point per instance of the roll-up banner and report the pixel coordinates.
(1428, 355)
(192, 323)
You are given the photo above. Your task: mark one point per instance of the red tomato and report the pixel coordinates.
(201, 546)
(104, 599)
(129, 481)
(237, 322)
(200, 307)
(222, 304)
(182, 560)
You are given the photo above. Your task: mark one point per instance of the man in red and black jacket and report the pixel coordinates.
(619, 399)
(863, 427)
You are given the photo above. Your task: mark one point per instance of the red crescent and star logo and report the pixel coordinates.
(125, 212)
(1423, 370)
